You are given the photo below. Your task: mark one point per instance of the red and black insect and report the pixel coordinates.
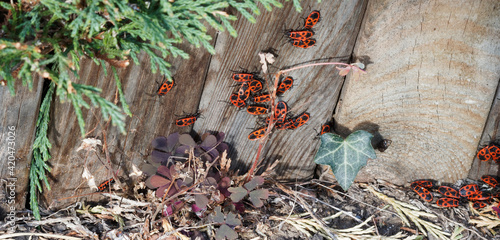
(257, 109)
(325, 128)
(479, 196)
(244, 91)
(165, 87)
(255, 85)
(284, 85)
(423, 192)
(312, 19)
(490, 180)
(243, 77)
(261, 98)
(468, 190)
(384, 144)
(236, 101)
(105, 185)
(448, 192)
(494, 152)
(301, 120)
(447, 202)
(484, 154)
(478, 204)
(257, 134)
(423, 183)
(186, 121)
(300, 34)
(303, 43)
(280, 111)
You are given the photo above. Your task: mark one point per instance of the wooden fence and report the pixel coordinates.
(433, 72)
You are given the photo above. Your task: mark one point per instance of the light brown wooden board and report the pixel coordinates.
(21, 112)
(491, 133)
(434, 72)
(315, 90)
(153, 116)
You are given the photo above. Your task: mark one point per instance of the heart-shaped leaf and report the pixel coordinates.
(345, 157)
(256, 196)
(237, 193)
(225, 232)
(256, 181)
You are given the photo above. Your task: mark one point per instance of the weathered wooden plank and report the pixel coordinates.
(316, 89)
(18, 117)
(491, 133)
(436, 66)
(153, 116)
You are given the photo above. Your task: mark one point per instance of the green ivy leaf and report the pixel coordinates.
(345, 157)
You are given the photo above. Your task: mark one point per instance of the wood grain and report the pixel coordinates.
(20, 111)
(434, 72)
(316, 89)
(152, 116)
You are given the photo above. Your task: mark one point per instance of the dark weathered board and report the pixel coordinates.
(434, 72)
(152, 116)
(491, 133)
(18, 117)
(316, 89)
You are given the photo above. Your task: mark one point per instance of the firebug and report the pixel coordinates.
(300, 34)
(257, 109)
(257, 134)
(478, 204)
(484, 154)
(284, 85)
(468, 190)
(312, 19)
(186, 121)
(280, 111)
(303, 43)
(423, 192)
(301, 120)
(490, 180)
(447, 202)
(242, 77)
(165, 87)
(423, 183)
(325, 128)
(244, 91)
(494, 152)
(448, 192)
(236, 101)
(479, 196)
(255, 85)
(105, 185)
(261, 98)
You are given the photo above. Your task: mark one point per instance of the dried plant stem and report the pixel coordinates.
(45, 235)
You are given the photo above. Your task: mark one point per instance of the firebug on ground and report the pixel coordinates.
(447, 202)
(312, 19)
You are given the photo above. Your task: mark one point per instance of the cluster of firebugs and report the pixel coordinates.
(451, 197)
(251, 87)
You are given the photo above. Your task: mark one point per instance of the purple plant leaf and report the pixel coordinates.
(256, 181)
(165, 171)
(210, 181)
(232, 220)
(211, 151)
(173, 190)
(222, 147)
(240, 207)
(186, 139)
(156, 181)
(182, 150)
(220, 137)
(225, 232)
(223, 185)
(160, 143)
(256, 196)
(201, 200)
(159, 157)
(218, 217)
(149, 169)
(238, 193)
(210, 141)
(172, 140)
(173, 208)
(198, 211)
